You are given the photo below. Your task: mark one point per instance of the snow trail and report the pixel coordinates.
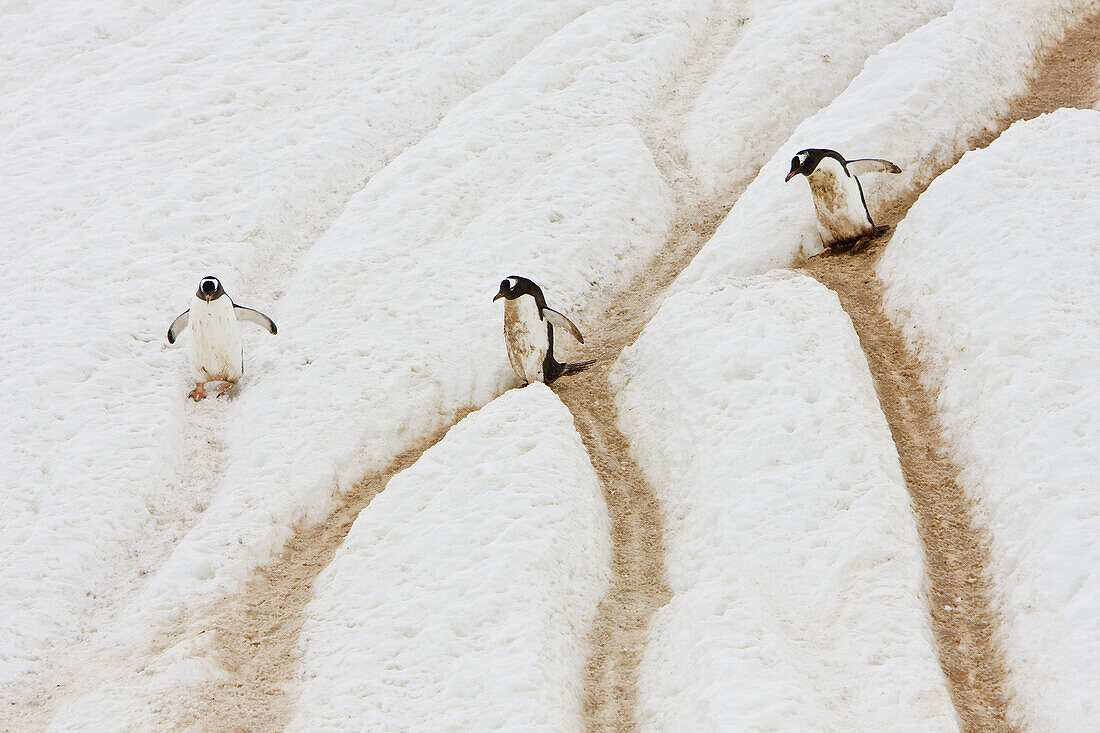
(256, 632)
(638, 585)
(964, 618)
(278, 250)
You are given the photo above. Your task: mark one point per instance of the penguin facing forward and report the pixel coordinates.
(215, 348)
(529, 332)
(842, 217)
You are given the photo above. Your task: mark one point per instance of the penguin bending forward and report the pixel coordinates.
(842, 217)
(529, 332)
(215, 347)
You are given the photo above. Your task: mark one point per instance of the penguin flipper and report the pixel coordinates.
(177, 326)
(562, 322)
(871, 165)
(254, 316)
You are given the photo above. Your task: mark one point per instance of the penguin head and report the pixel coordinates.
(209, 289)
(799, 165)
(806, 161)
(514, 286)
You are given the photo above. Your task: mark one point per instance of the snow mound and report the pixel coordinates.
(792, 552)
(995, 276)
(793, 57)
(919, 103)
(464, 592)
(146, 146)
(389, 329)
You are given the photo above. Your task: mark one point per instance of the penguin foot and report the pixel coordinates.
(859, 244)
(198, 393)
(224, 390)
(829, 251)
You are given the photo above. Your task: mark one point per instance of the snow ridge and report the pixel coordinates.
(1009, 328)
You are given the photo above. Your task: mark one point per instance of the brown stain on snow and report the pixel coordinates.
(965, 619)
(638, 587)
(956, 551)
(614, 321)
(256, 632)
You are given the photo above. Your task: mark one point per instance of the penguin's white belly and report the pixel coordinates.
(841, 215)
(525, 333)
(215, 344)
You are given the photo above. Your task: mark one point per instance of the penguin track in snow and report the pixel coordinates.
(956, 551)
(268, 616)
(256, 632)
(614, 320)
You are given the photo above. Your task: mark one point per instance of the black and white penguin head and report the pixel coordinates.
(514, 286)
(806, 161)
(209, 289)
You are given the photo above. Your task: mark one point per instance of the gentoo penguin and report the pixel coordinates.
(215, 346)
(529, 332)
(842, 217)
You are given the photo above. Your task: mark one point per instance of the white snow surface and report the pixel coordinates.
(463, 595)
(995, 278)
(366, 174)
(388, 327)
(215, 139)
(792, 58)
(919, 103)
(792, 551)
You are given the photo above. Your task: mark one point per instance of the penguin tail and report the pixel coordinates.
(575, 367)
(552, 369)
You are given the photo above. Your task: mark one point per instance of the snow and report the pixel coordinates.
(792, 59)
(791, 547)
(366, 174)
(994, 277)
(387, 329)
(215, 140)
(463, 595)
(919, 103)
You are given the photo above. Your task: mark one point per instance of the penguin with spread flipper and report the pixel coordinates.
(843, 220)
(529, 332)
(215, 348)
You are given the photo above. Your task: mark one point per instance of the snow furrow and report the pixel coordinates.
(1008, 326)
(638, 587)
(967, 591)
(463, 594)
(224, 141)
(921, 103)
(959, 600)
(792, 556)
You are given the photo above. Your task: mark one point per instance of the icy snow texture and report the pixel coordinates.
(793, 58)
(791, 546)
(222, 138)
(390, 326)
(918, 103)
(389, 329)
(995, 275)
(463, 595)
